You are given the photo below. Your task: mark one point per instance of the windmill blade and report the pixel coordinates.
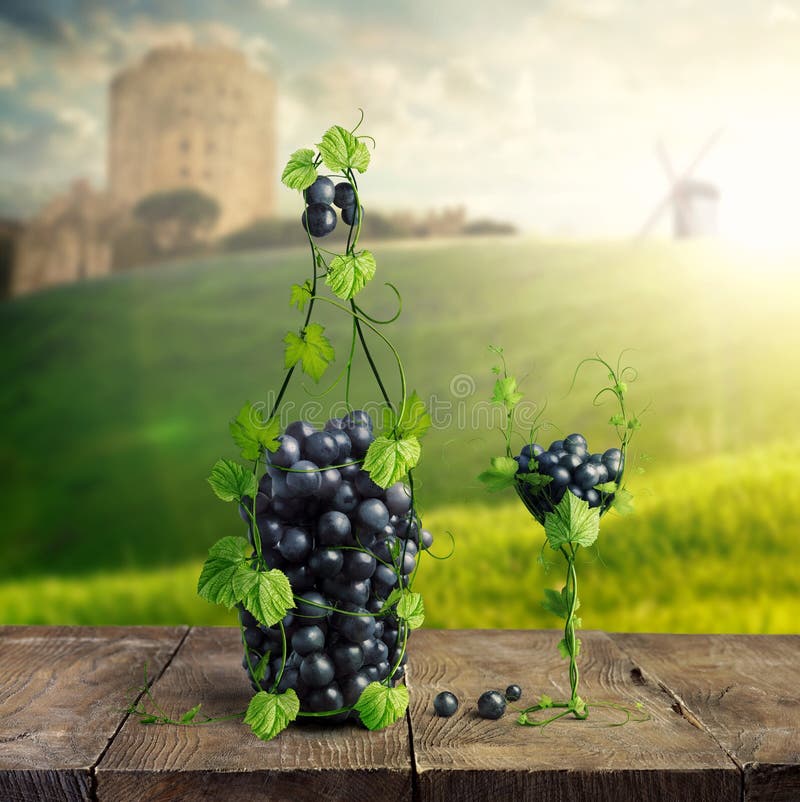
(655, 216)
(666, 163)
(701, 154)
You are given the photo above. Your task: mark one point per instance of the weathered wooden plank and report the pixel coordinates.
(468, 758)
(744, 690)
(62, 693)
(226, 761)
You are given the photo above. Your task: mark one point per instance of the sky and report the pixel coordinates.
(546, 113)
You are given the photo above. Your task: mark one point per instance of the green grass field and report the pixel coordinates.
(116, 396)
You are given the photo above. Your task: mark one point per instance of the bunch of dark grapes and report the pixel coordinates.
(319, 217)
(344, 543)
(572, 469)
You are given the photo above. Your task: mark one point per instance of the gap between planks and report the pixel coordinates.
(126, 716)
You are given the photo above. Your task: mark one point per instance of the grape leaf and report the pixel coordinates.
(545, 701)
(387, 460)
(349, 274)
(506, 393)
(301, 293)
(251, 432)
(572, 521)
(300, 171)
(414, 422)
(391, 599)
(266, 594)
(260, 668)
(341, 150)
(313, 349)
(270, 713)
(564, 651)
(623, 501)
(226, 559)
(535, 480)
(617, 420)
(606, 487)
(411, 609)
(379, 705)
(230, 481)
(189, 715)
(555, 603)
(501, 474)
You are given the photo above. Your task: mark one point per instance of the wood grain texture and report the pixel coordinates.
(226, 761)
(467, 758)
(62, 693)
(745, 691)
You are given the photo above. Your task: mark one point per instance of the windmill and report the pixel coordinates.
(693, 202)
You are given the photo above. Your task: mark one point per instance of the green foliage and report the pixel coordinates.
(252, 433)
(301, 295)
(300, 171)
(389, 460)
(410, 608)
(226, 560)
(380, 705)
(506, 393)
(623, 501)
(312, 349)
(270, 713)
(230, 481)
(349, 274)
(572, 522)
(341, 150)
(415, 420)
(501, 474)
(266, 594)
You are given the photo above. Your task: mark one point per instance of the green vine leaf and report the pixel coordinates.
(252, 433)
(226, 558)
(349, 274)
(266, 594)
(300, 171)
(301, 294)
(341, 150)
(623, 501)
(411, 609)
(536, 480)
(388, 460)
(189, 715)
(572, 521)
(500, 475)
(379, 705)
(230, 480)
(270, 713)
(313, 349)
(606, 487)
(506, 393)
(260, 668)
(563, 650)
(545, 701)
(415, 421)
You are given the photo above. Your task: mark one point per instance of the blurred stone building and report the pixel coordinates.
(70, 239)
(198, 117)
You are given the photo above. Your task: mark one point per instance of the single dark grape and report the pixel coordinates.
(333, 528)
(344, 195)
(321, 191)
(318, 219)
(560, 474)
(372, 513)
(330, 480)
(366, 487)
(345, 500)
(555, 446)
(445, 704)
(308, 639)
(375, 651)
(593, 497)
(397, 499)
(383, 669)
(303, 478)
(602, 473)
(360, 438)
(513, 693)
(312, 606)
(347, 658)
(327, 698)
(523, 463)
(288, 680)
(613, 461)
(300, 429)
(531, 450)
(271, 530)
(317, 669)
(357, 628)
(358, 417)
(576, 491)
(343, 445)
(287, 453)
(570, 461)
(333, 425)
(350, 470)
(350, 216)
(491, 704)
(358, 565)
(389, 636)
(353, 687)
(544, 461)
(383, 580)
(295, 544)
(326, 563)
(426, 540)
(321, 448)
(575, 444)
(300, 577)
(587, 475)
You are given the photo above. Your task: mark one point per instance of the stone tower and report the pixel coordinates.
(200, 117)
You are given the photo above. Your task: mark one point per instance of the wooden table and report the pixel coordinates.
(725, 722)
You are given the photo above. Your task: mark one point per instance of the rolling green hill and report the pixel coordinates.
(116, 396)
